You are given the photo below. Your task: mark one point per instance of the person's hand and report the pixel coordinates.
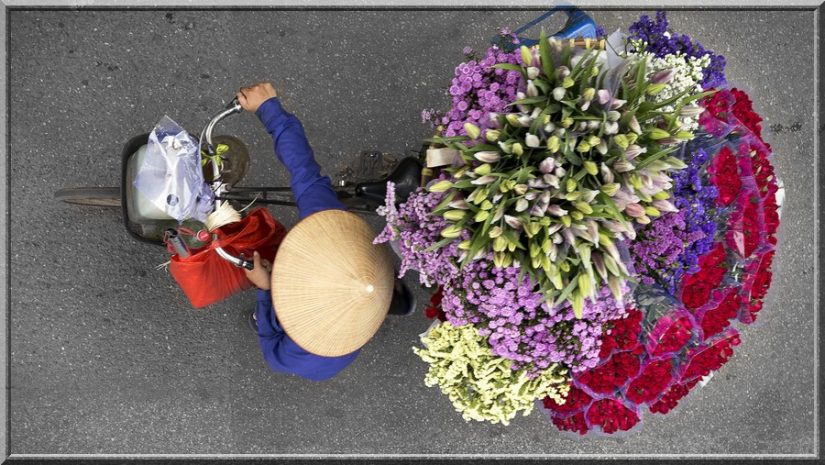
(251, 97)
(261, 274)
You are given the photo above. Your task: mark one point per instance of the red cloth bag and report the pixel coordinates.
(206, 278)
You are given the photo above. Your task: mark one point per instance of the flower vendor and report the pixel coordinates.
(332, 287)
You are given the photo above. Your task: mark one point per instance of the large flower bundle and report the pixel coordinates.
(608, 212)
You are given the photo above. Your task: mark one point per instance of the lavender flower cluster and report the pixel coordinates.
(661, 42)
(415, 228)
(520, 326)
(670, 246)
(478, 89)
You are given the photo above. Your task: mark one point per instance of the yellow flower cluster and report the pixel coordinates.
(481, 385)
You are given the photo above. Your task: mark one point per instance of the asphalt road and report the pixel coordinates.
(108, 357)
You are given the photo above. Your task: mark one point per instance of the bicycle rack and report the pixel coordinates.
(578, 25)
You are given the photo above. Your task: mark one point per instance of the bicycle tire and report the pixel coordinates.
(90, 196)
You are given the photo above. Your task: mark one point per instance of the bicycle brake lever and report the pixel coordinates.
(234, 105)
(239, 262)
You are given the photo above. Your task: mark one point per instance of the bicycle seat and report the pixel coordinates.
(406, 177)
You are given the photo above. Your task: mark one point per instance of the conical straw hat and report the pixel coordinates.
(331, 286)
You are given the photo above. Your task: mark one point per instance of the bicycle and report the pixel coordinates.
(147, 223)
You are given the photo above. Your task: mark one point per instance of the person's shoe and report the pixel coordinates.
(403, 300)
(253, 322)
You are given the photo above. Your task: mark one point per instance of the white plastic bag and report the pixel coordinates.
(171, 176)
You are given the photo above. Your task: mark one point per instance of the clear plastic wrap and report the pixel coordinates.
(171, 176)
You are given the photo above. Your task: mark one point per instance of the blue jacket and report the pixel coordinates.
(312, 193)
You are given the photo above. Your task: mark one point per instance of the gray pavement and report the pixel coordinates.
(108, 357)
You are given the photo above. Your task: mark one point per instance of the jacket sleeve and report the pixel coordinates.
(283, 355)
(312, 191)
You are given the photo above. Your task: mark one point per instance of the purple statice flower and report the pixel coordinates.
(670, 246)
(415, 228)
(661, 42)
(478, 89)
(520, 325)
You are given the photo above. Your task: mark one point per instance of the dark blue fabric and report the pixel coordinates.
(312, 193)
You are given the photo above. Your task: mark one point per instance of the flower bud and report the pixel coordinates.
(635, 210)
(622, 166)
(665, 206)
(607, 173)
(662, 77)
(521, 205)
(498, 214)
(532, 72)
(593, 140)
(492, 135)
(517, 149)
(483, 169)
(459, 204)
(583, 147)
(604, 96)
(610, 189)
(440, 186)
(652, 211)
(584, 285)
(634, 151)
(464, 245)
(556, 210)
(588, 94)
(571, 184)
(571, 196)
(532, 91)
(531, 140)
(486, 179)
(499, 244)
(494, 232)
(611, 127)
(547, 165)
(512, 221)
(661, 195)
(451, 231)
(487, 156)
(591, 167)
(486, 205)
(583, 207)
(553, 143)
(621, 141)
(567, 82)
(481, 216)
(602, 147)
(634, 125)
(512, 118)
(613, 115)
(520, 189)
(472, 130)
(551, 180)
(454, 215)
(562, 72)
(632, 137)
(658, 133)
(558, 93)
(615, 104)
(587, 195)
(526, 55)
(643, 219)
